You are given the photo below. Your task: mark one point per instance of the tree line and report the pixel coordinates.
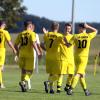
(14, 13)
(44, 22)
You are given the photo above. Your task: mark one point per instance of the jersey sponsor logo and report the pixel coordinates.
(52, 36)
(83, 37)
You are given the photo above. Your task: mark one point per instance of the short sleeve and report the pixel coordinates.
(92, 35)
(33, 37)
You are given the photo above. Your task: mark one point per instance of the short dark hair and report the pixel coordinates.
(82, 25)
(55, 25)
(68, 24)
(2, 22)
(27, 22)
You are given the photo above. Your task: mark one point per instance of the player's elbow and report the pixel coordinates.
(96, 31)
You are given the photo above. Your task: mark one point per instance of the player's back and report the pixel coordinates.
(52, 41)
(4, 35)
(82, 43)
(25, 40)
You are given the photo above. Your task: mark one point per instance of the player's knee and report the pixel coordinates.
(78, 75)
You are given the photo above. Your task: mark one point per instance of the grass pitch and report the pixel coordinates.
(12, 91)
(12, 77)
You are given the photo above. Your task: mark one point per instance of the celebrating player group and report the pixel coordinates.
(66, 54)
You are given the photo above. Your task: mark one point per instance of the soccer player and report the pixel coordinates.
(55, 57)
(82, 44)
(24, 44)
(70, 56)
(4, 37)
(35, 54)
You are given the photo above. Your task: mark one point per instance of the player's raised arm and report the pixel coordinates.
(44, 30)
(91, 28)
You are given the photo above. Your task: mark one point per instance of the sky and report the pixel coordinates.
(60, 10)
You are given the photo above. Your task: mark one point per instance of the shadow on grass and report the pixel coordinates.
(83, 94)
(42, 92)
(34, 91)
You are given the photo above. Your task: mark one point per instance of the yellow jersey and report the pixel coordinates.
(54, 46)
(4, 36)
(24, 40)
(82, 43)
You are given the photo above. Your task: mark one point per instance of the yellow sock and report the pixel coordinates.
(83, 83)
(59, 82)
(75, 81)
(29, 74)
(1, 77)
(27, 77)
(69, 79)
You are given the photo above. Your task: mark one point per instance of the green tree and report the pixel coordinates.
(11, 11)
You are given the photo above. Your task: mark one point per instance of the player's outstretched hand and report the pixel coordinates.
(44, 30)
